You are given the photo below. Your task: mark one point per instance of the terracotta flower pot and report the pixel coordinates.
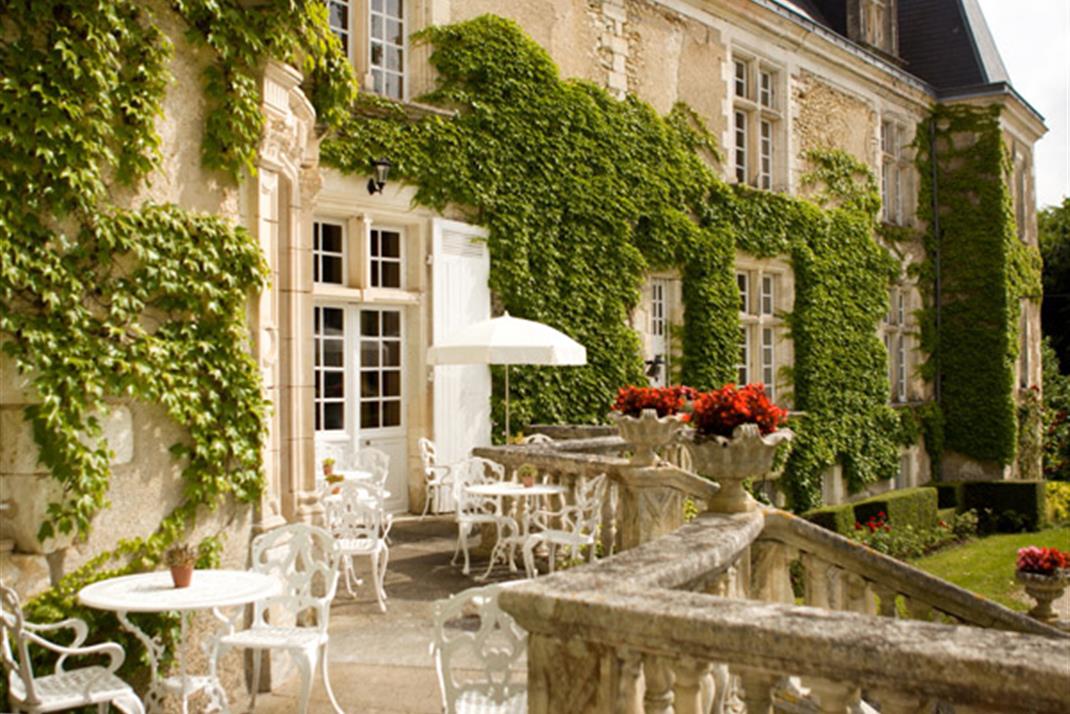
(528, 481)
(646, 433)
(730, 462)
(181, 575)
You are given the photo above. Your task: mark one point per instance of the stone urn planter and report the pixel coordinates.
(730, 462)
(647, 433)
(1044, 589)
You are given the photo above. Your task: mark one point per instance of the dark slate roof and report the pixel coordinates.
(947, 43)
(807, 8)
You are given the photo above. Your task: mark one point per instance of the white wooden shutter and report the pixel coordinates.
(460, 296)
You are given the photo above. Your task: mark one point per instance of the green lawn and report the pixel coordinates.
(986, 565)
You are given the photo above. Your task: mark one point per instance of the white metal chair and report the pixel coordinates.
(541, 439)
(377, 463)
(573, 526)
(475, 510)
(436, 478)
(305, 559)
(355, 519)
(64, 689)
(497, 643)
(341, 452)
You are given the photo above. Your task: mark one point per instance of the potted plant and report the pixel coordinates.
(649, 418)
(328, 468)
(181, 558)
(1043, 572)
(736, 434)
(527, 473)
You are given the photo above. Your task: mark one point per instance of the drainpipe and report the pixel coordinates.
(937, 239)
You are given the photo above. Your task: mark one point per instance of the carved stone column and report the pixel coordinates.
(659, 676)
(688, 698)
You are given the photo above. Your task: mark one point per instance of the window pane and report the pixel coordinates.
(392, 383)
(332, 353)
(369, 384)
(333, 385)
(333, 321)
(369, 415)
(392, 354)
(393, 32)
(334, 415)
(392, 413)
(377, 54)
(393, 7)
(331, 238)
(742, 283)
(390, 245)
(369, 323)
(369, 353)
(391, 323)
(393, 86)
(377, 27)
(332, 270)
(390, 275)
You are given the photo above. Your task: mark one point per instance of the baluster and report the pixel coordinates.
(856, 594)
(658, 675)
(609, 520)
(886, 595)
(689, 697)
(770, 572)
(628, 698)
(893, 701)
(834, 697)
(757, 689)
(816, 581)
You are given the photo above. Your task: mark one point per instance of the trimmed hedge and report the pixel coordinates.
(1006, 506)
(946, 514)
(949, 495)
(840, 519)
(915, 507)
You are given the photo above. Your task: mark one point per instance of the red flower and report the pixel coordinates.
(720, 411)
(1043, 561)
(665, 400)
(858, 526)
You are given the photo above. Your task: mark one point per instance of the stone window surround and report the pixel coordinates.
(762, 157)
(896, 163)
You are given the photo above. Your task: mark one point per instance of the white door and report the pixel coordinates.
(658, 359)
(381, 393)
(460, 297)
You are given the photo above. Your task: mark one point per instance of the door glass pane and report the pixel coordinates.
(392, 413)
(333, 322)
(392, 384)
(369, 323)
(392, 323)
(369, 353)
(369, 384)
(380, 369)
(391, 354)
(369, 415)
(333, 415)
(333, 385)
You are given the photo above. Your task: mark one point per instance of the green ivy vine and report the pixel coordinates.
(102, 302)
(584, 194)
(985, 271)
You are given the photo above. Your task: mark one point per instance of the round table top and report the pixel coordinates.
(155, 592)
(511, 488)
(353, 474)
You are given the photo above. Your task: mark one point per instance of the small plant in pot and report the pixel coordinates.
(181, 558)
(527, 474)
(1044, 573)
(328, 468)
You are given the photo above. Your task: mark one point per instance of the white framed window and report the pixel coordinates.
(338, 12)
(901, 368)
(743, 283)
(329, 368)
(328, 252)
(897, 334)
(765, 159)
(768, 296)
(387, 47)
(765, 89)
(742, 72)
(895, 172)
(743, 365)
(657, 308)
(741, 146)
(769, 362)
(385, 257)
(380, 368)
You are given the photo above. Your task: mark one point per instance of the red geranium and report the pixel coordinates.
(719, 412)
(665, 400)
(1043, 561)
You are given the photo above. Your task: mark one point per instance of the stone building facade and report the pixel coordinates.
(363, 283)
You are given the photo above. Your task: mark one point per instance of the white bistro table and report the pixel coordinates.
(523, 494)
(154, 592)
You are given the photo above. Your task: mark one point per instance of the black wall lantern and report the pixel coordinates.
(380, 171)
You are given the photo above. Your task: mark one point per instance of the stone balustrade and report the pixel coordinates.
(704, 619)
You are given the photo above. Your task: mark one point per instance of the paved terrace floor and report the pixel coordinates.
(380, 663)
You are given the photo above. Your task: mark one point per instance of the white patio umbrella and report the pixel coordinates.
(508, 340)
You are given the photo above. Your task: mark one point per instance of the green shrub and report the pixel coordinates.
(1006, 506)
(915, 507)
(946, 514)
(1057, 497)
(907, 541)
(840, 519)
(948, 495)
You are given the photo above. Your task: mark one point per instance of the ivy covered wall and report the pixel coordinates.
(584, 194)
(985, 271)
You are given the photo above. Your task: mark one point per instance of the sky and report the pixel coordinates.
(1033, 37)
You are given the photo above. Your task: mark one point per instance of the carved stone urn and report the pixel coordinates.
(647, 433)
(1044, 589)
(730, 462)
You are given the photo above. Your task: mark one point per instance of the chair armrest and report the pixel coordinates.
(542, 518)
(81, 629)
(114, 651)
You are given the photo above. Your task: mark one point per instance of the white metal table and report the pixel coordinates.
(511, 489)
(154, 592)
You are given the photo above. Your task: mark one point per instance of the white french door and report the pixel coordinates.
(359, 385)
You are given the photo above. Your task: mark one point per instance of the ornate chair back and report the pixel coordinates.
(469, 472)
(13, 631)
(340, 451)
(428, 456)
(305, 559)
(588, 507)
(375, 461)
(536, 439)
(354, 513)
(495, 641)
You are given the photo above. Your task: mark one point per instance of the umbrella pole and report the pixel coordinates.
(507, 404)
